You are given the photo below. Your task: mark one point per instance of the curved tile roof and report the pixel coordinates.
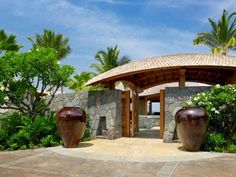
(164, 62)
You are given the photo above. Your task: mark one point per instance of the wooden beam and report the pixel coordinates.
(162, 113)
(110, 85)
(182, 77)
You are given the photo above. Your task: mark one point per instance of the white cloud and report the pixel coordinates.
(120, 2)
(216, 9)
(91, 29)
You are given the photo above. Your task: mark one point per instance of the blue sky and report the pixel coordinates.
(140, 28)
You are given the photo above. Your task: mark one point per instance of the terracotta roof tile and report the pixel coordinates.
(168, 61)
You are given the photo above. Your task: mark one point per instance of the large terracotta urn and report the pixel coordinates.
(191, 126)
(71, 122)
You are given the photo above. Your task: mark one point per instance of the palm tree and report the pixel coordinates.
(50, 39)
(108, 60)
(79, 81)
(8, 42)
(222, 38)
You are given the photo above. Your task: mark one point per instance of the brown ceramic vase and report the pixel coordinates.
(191, 126)
(71, 123)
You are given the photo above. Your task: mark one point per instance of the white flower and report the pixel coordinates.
(223, 124)
(213, 109)
(217, 85)
(200, 103)
(222, 107)
(217, 112)
(196, 98)
(6, 99)
(189, 103)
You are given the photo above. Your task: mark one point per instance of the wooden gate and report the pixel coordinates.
(162, 113)
(126, 113)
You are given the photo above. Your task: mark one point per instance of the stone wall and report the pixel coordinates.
(149, 121)
(174, 99)
(99, 105)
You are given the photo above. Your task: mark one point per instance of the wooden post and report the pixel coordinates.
(162, 113)
(182, 77)
(133, 114)
(126, 113)
(150, 107)
(145, 106)
(137, 113)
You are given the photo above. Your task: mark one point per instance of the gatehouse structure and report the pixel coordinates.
(143, 74)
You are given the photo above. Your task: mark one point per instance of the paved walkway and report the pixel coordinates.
(133, 150)
(125, 157)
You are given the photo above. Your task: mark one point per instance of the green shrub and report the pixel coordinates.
(13, 146)
(214, 142)
(21, 132)
(20, 138)
(231, 148)
(49, 141)
(220, 104)
(87, 131)
(233, 139)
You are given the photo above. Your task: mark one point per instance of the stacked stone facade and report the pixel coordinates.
(98, 104)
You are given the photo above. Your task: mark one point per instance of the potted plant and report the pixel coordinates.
(71, 122)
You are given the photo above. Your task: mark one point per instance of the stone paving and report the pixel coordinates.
(124, 157)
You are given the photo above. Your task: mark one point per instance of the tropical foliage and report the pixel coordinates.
(106, 61)
(109, 60)
(21, 132)
(49, 39)
(222, 38)
(220, 104)
(8, 43)
(26, 77)
(78, 83)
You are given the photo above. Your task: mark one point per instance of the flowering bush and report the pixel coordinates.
(220, 104)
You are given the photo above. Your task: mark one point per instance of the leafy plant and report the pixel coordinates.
(231, 148)
(50, 39)
(79, 82)
(25, 78)
(8, 43)
(19, 139)
(87, 131)
(27, 133)
(222, 37)
(220, 104)
(109, 59)
(49, 140)
(214, 142)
